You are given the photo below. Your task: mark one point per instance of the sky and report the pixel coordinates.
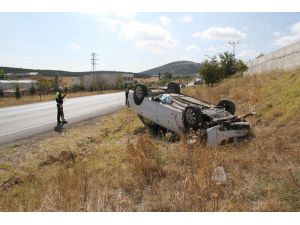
(135, 42)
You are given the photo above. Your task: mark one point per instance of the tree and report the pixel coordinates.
(168, 75)
(56, 82)
(1, 93)
(227, 63)
(75, 88)
(2, 77)
(81, 85)
(99, 83)
(32, 89)
(119, 83)
(91, 88)
(240, 66)
(43, 85)
(130, 85)
(166, 78)
(18, 93)
(211, 71)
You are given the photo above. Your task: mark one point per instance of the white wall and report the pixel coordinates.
(105, 78)
(284, 59)
(11, 84)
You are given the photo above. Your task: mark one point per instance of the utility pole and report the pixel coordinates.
(233, 46)
(93, 63)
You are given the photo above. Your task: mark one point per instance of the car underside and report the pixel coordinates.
(167, 108)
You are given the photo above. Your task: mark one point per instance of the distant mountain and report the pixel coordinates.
(176, 68)
(59, 72)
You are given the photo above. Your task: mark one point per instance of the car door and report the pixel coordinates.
(146, 109)
(169, 117)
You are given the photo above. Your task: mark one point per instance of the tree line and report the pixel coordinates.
(45, 85)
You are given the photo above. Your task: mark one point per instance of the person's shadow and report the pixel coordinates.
(59, 128)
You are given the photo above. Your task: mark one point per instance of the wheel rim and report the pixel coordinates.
(190, 116)
(139, 92)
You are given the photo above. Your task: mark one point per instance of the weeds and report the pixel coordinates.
(114, 165)
(146, 158)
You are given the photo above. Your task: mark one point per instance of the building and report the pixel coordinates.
(111, 80)
(12, 84)
(76, 81)
(128, 77)
(107, 80)
(146, 79)
(26, 75)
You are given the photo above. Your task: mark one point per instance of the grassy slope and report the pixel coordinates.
(112, 164)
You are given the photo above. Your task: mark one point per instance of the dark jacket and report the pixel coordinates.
(59, 98)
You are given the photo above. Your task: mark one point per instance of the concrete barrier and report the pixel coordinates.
(284, 59)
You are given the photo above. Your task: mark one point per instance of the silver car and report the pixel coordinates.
(179, 113)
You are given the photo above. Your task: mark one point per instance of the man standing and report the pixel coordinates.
(60, 110)
(126, 96)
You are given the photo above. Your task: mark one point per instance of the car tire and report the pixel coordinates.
(173, 88)
(227, 105)
(192, 118)
(140, 91)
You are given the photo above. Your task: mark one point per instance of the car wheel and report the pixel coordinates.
(140, 91)
(227, 105)
(173, 88)
(192, 118)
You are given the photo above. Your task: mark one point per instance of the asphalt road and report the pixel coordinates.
(19, 122)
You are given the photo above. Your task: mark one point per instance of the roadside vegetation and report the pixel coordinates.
(215, 69)
(45, 87)
(113, 163)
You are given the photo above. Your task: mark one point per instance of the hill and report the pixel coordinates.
(176, 68)
(59, 72)
(121, 167)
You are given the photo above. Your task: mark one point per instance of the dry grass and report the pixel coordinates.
(27, 99)
(113, 164)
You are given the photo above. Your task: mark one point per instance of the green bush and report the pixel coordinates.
(32, 89)
(227, 63)
(211, 71)
(18, 93)
(2, 77)
(1, 92)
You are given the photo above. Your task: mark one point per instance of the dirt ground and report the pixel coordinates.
(113, 163)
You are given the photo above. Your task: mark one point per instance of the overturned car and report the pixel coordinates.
(178, 113)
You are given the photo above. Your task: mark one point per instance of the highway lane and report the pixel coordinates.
(19, 122)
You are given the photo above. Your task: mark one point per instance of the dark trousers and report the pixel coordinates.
(60, 113)
(126, 99)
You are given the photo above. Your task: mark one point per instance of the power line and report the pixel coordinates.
(98, 76)
(94, 61)
(233, 46)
